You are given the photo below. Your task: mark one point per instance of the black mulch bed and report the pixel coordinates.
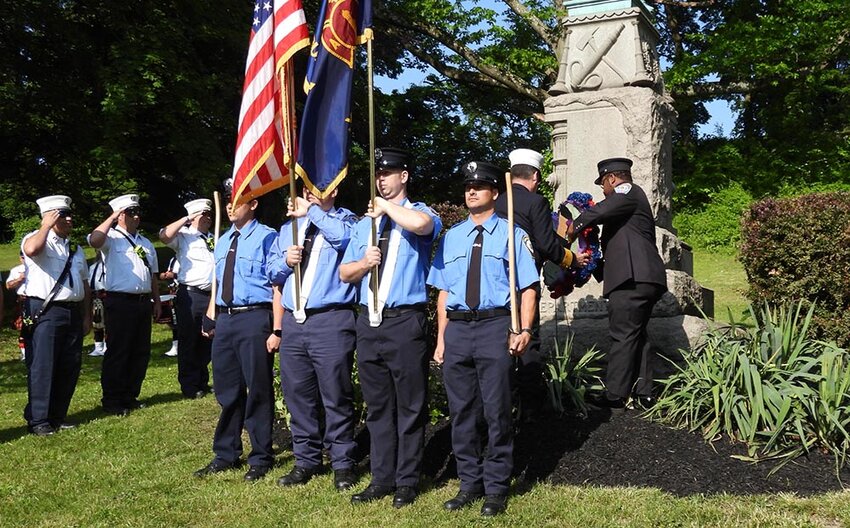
(625, 449)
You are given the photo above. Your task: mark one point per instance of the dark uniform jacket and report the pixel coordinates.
(628, 239)
(533, 214)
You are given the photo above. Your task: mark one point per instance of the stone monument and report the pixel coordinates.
(609, 101)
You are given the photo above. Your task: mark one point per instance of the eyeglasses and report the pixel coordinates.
(64, 213)
(133, 211)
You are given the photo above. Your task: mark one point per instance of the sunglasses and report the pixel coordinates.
(133, 211)
(64, 213)
(207, 213)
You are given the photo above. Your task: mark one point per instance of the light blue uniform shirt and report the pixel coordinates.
(250, 279)
(411, 266)
(451, 264)
(328, 289)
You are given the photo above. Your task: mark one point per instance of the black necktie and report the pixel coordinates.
(70, 274)
(384, 244)
(229, 265)
(473, 276)
(309, 239)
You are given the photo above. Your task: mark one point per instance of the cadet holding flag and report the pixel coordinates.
(471, 270)
(392, 355)
(317, 356)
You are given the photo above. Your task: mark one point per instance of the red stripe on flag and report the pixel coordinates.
(262, 145)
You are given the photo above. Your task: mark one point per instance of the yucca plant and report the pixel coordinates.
(569, 379)
(765, 383)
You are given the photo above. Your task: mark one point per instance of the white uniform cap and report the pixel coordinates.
(198, 206)
(526, 157)
(49, 203)
(124, 201)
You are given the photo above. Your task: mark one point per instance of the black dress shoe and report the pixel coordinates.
(404, 496)
(44, 429)
(215, 467)
(645, 402)
(199, 394)
(608, 401)
(494, 505)
(344, 479)
(255, 473)
(136, 404)
(371, 493)
(299, 475)
(462, 500)
(117, 411)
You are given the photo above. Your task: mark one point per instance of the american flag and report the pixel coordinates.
(265, 142)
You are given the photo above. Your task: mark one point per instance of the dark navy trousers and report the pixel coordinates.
(392, 361)
(193, 349)
(242, 379)
(630, 358)
(128, 348)
(316, 359)
(54, 355)
(477, 374)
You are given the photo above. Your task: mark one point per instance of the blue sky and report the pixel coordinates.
(722, 116)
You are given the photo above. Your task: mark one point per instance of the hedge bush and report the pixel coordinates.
(797, 249)
(718, 224)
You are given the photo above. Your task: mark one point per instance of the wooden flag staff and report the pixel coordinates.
(370, 74)
(217, 201)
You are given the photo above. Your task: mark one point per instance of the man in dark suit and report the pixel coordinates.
(634, 279)
(533, 213)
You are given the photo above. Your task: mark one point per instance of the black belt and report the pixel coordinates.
(332, 308)
(230, 310)
(398, 311)
(194, 289)
(133, 296)
(476, 315)
(64, 304)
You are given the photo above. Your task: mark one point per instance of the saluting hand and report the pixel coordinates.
(49, 219)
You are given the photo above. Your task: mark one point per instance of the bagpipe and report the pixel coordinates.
(560, 281)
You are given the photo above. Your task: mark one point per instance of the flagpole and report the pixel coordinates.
(369, 74)
(511, 254)
(213, 293)
(290, 165)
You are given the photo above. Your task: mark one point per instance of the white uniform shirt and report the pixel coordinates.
(97, 275)
(125, 271)
(17, 272)
(195, 261)
(44, 269)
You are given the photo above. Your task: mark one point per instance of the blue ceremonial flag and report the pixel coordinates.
(323, 140)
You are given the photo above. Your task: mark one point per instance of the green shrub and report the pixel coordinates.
(570, 380)
(718, 225)
(767, 384)
(24, 226)
(797, 249)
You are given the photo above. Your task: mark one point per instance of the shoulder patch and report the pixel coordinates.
(623, 188)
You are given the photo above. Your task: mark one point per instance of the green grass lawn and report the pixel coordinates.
(137, 470)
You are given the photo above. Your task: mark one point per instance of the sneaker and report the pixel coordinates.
(172, 352)
(98, 350)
